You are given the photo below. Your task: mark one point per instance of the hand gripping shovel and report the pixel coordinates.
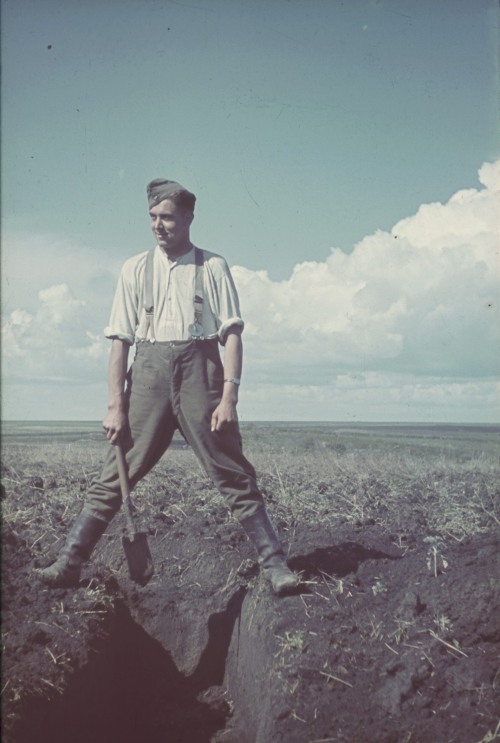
(139, 560)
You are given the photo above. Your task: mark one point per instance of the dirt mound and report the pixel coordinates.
(379, 650)
(393, 636)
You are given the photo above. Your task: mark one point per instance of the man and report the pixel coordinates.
(177, 303)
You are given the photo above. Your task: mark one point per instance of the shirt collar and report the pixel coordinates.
(186, 258)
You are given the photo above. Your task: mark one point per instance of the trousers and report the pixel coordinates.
(177, 385)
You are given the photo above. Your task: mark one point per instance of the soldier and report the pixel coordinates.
(177, 303)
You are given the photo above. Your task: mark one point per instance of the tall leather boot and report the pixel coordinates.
(83, 537)
(271, 556)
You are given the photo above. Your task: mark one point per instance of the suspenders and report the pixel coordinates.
(148, 295)
(196, 328)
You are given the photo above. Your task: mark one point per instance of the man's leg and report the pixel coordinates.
(222, 455)
(235, 478)
(151, 427)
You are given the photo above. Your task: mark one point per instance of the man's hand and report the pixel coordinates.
(224, 415)
(114, 423)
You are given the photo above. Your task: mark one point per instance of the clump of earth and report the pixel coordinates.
(390, 638)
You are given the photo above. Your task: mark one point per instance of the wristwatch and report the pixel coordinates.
(233, 380)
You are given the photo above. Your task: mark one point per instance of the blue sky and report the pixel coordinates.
(308, 129)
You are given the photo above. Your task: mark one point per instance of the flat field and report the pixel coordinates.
(393, 636)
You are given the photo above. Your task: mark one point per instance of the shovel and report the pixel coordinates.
(135, 545)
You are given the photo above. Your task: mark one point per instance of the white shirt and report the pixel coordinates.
(173, 297)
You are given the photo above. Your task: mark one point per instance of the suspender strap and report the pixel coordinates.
(148, 291)
(198, 291)
(148, 295)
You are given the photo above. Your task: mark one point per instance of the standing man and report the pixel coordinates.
(177, 303)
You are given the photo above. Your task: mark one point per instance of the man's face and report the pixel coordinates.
(170, 224)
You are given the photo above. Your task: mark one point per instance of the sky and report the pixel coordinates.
(346, 161)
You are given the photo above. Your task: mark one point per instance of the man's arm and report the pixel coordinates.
(225, 412)
(115, 420)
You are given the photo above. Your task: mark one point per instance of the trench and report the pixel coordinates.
(132, 690)
(178, 676)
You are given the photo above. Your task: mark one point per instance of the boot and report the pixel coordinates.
(83, 537)
(271, 556)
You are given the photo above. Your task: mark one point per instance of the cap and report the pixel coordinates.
(161, 189)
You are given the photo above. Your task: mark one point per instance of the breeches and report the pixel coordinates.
(174, 385)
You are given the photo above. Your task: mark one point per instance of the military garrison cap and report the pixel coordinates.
(161, 189)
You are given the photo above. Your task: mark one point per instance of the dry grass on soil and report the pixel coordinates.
(424, 497)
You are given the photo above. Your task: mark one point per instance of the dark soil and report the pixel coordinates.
(382, 644)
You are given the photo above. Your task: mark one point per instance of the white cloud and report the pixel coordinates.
(406, 327)
(422, 299)
(52, 343)
(489, 176)
(374, 397)
(31, 263)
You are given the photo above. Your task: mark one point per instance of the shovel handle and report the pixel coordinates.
(125, 488)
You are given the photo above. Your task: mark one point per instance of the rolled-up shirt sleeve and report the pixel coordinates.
(223, 297)
(124, 315)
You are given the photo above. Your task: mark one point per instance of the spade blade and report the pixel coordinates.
(139, 560)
